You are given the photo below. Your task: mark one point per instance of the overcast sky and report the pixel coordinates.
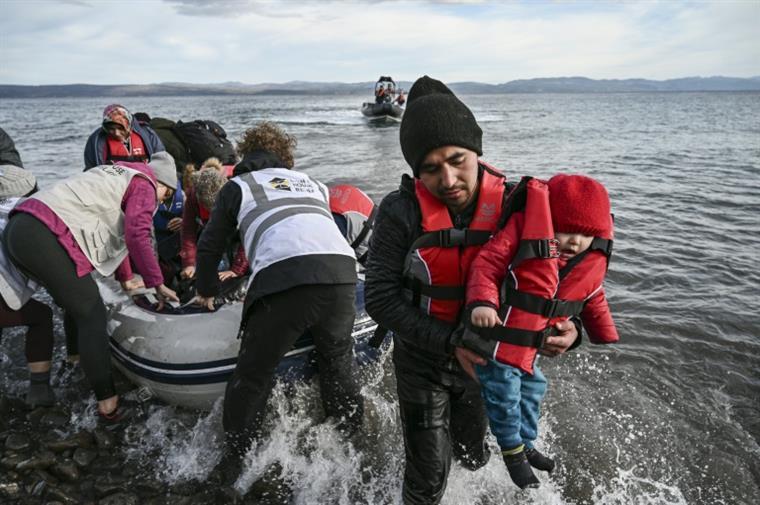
(253, 41)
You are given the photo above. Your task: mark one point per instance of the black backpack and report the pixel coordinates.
(205, 139)
(166, 130)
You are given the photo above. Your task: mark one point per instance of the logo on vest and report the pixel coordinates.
(113, 170)
(487, 212)
(280, 183)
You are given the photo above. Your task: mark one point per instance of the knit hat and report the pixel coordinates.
(435, 117)
(15, 181)
(118, 114)
(580, 204)
(207, 184)
(164, 169)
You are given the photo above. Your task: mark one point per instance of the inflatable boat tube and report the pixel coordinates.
(184, 355)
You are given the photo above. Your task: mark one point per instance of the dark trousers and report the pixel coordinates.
(39, 318)
(442, 413)
(274, 323)
(35, 251)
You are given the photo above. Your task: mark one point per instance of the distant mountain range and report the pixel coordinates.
(545, 85)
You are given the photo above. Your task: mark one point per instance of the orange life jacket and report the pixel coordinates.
(117, 151)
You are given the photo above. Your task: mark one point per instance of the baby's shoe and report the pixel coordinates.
(518, 467)
(538, 460)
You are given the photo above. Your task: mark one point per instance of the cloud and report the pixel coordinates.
(255, 41)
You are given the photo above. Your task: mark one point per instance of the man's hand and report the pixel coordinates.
(175, 224)
(204, 301)
(163, 294)
(187, 272)
(485, 317)
(558, 344)
(227, 274)
(132, 284)
(467, 360)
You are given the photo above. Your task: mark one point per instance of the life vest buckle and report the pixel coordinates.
(552, 248)
(452, 237)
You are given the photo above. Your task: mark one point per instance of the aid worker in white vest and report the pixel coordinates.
(93, 221)
(303, 278)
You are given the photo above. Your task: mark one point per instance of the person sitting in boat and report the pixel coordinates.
(354, 213)
(120, 138)
(400, 99)
(17, 308)
(167, 223)
(94, 221)
(205, 186)
(380, 94)
(304, 276)
(571, 214)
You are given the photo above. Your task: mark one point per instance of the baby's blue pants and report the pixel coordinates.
(513, 399)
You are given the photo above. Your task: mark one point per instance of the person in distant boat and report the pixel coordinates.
(120, 138)
(8, 153)
(425, 237)
(380, 94)
(17, 308)
(400, 99)
(354, 213)
(512, 287)
(204, 188)
(94, 221)
(303, 278)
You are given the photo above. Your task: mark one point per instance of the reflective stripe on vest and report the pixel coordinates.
(435, 274)
(289, 206)
(117, 151)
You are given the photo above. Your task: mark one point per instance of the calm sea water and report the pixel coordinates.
(670, 415)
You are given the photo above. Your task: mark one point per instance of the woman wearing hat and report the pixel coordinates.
(93, 221)
(17, 308)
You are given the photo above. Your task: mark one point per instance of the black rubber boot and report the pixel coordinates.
(40, 394)
(519, 469)
(539, 461)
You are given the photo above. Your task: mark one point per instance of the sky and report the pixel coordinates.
(254, 41)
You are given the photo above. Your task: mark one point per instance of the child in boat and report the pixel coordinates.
(550, 261)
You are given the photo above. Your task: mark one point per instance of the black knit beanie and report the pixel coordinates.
(435, 117)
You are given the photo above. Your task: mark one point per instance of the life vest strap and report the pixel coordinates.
(452, 237)
(546, 248)
(601, 244)
(516, 336)
(366, 228)
(454, 292)
(547, 307)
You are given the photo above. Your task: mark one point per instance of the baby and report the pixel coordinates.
(547, 264)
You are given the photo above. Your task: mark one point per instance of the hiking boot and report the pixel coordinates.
(40, 395)
(519, 469)
(538, 460)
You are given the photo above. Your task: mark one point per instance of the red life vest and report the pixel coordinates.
(203, 213)
(359, 211)
(437, 263)
(117, 151)
(537, 293)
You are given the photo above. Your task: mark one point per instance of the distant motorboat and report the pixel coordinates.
(382, 110)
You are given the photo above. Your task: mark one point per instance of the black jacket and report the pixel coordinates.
(8, 153)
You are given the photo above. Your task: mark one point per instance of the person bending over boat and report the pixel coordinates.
(303, 278)
(93, 221)
(425, 237)
(120, 138)
(17, 308)
(201, 195)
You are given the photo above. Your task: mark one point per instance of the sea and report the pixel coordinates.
(670, 415)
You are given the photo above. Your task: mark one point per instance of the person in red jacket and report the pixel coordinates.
(540, 286)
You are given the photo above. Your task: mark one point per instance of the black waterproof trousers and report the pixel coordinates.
(35, 250)
(442, 414)
(274, 324)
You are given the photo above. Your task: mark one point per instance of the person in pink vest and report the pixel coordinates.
(93, 222)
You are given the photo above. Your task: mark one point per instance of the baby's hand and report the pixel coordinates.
(485, 317)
